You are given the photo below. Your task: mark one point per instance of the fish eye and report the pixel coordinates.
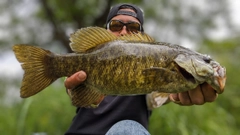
(207, 59)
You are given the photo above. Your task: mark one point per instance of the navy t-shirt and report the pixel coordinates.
(111, 110)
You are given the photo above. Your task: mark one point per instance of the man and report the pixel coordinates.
(127, 114)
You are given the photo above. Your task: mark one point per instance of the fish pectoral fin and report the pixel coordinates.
(86, 96)
(156, 73)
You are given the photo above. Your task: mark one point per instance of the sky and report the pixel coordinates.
(10, 67)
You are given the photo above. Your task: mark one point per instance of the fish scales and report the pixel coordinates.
(107, 67)
(127, 65)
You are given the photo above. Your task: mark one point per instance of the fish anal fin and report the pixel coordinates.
(86, 96)
(87, 38)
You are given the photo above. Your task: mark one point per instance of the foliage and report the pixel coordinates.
(207, 119)
(48, 112)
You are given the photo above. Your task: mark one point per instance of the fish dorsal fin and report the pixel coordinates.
(89, 37)
(137, 37)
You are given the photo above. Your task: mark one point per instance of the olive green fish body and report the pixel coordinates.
(128, 65)
(133, 68)
(124, 68)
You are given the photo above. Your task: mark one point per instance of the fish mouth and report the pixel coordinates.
(186, 74)
(219, 78)
(217, 81)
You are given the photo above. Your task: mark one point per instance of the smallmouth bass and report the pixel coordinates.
(127, 65)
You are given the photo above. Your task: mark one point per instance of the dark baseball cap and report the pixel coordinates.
(115, 10)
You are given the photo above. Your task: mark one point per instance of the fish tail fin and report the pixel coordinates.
(34, 62)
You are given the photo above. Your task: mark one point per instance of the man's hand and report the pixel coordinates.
(74, 80)
(198, 96)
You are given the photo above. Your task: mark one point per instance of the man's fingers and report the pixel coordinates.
(181, 98)
(185, 98)
(208, 92)
(174, 97)
(75, 79)
(200, 95)
(196, 96)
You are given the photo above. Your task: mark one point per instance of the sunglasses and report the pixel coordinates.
(117, 25)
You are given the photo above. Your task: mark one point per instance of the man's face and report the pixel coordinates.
(124, 19)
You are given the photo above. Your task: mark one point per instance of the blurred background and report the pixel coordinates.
(210, 27)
